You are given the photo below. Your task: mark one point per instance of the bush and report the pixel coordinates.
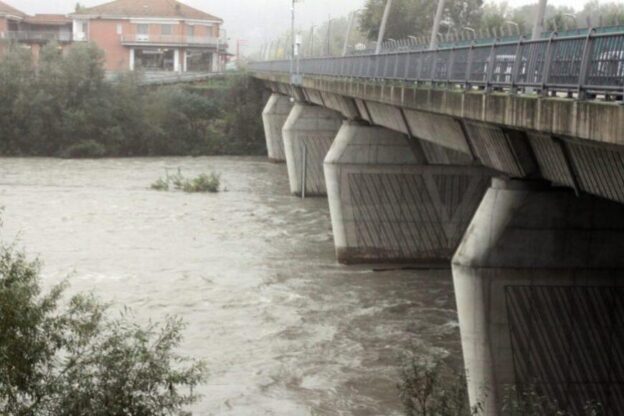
(73, 360)
(203, 183)
(431, 387)
(160, 185)
(67, 108)
(87, 149)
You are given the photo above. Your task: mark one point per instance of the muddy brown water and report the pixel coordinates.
(283, 328)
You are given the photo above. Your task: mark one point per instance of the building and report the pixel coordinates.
(10, 18)
(152, 35)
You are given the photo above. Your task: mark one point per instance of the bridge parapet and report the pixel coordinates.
(584, 65)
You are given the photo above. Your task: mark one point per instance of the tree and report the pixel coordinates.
(415, 17)
(73, 360)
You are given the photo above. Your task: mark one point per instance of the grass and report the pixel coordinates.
(206, 182)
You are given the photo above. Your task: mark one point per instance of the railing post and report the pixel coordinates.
(490, 67)
(451, 63)
(434, 62)
(547, 61)
(408, 57)
(516, 67)
(304, 170)
(582, 94)
(469, 59)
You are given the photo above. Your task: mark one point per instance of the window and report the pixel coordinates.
(119, 29)
(166, 30)
(142, 29)
(81, 30)
(190, 31)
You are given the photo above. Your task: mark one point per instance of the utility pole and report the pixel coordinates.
(329, 36)
(311, 42)
(345, 48)
(538, 26)
(292, 34)
(382, 29)
(436, 25)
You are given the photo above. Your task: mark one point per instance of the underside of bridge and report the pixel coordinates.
(536, 252)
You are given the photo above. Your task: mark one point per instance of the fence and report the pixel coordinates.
(592, 63)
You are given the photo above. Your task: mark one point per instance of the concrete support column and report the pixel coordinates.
(308, 134)
(131, 60)
(176, 60)
(388, 206)
(274, 117)
(539, 281)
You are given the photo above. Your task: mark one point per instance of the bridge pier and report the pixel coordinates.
(274, 117)
(308, 134)
(540, 294)
(388, 206)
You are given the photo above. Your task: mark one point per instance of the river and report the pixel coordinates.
(284, 329)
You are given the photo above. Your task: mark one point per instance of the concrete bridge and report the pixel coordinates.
(504, 160)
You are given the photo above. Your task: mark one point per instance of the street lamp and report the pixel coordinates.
(292, 34)
(512, 23)
(436, 25)
(349, 29)
(311, 42)
(573, 17)
(382, 29)
(538, 26)
(471, 30)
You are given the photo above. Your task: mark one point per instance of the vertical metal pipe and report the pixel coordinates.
(329, 36)
(382, 29)
(436, 25)
(348, 35)
(304, 170)
(292, 35)
(538, 25)
(311, 42)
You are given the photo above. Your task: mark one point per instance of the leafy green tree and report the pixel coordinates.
(66, 107)
(72, 360)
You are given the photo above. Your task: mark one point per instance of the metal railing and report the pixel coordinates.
(37, 36)
(592, 63)
(173, 40)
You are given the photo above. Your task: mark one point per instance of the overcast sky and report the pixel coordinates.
(253, 20)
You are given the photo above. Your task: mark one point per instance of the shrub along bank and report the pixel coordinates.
(65, 107)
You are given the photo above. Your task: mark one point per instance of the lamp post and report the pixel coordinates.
(573, 17)
(349, 29)
(471, 30)
(512, 23)
(436, 25)
(382, 29)
(538, 25)
(292, 34)
(311, 42)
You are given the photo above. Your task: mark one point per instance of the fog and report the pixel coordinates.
(255, 21)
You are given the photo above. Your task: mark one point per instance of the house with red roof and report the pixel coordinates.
(152, 35)
(33, 31)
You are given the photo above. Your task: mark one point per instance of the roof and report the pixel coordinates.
(10, 10)
(48, 19)
(146, 8)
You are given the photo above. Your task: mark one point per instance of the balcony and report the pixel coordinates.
(173, 40)
(35, 36)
